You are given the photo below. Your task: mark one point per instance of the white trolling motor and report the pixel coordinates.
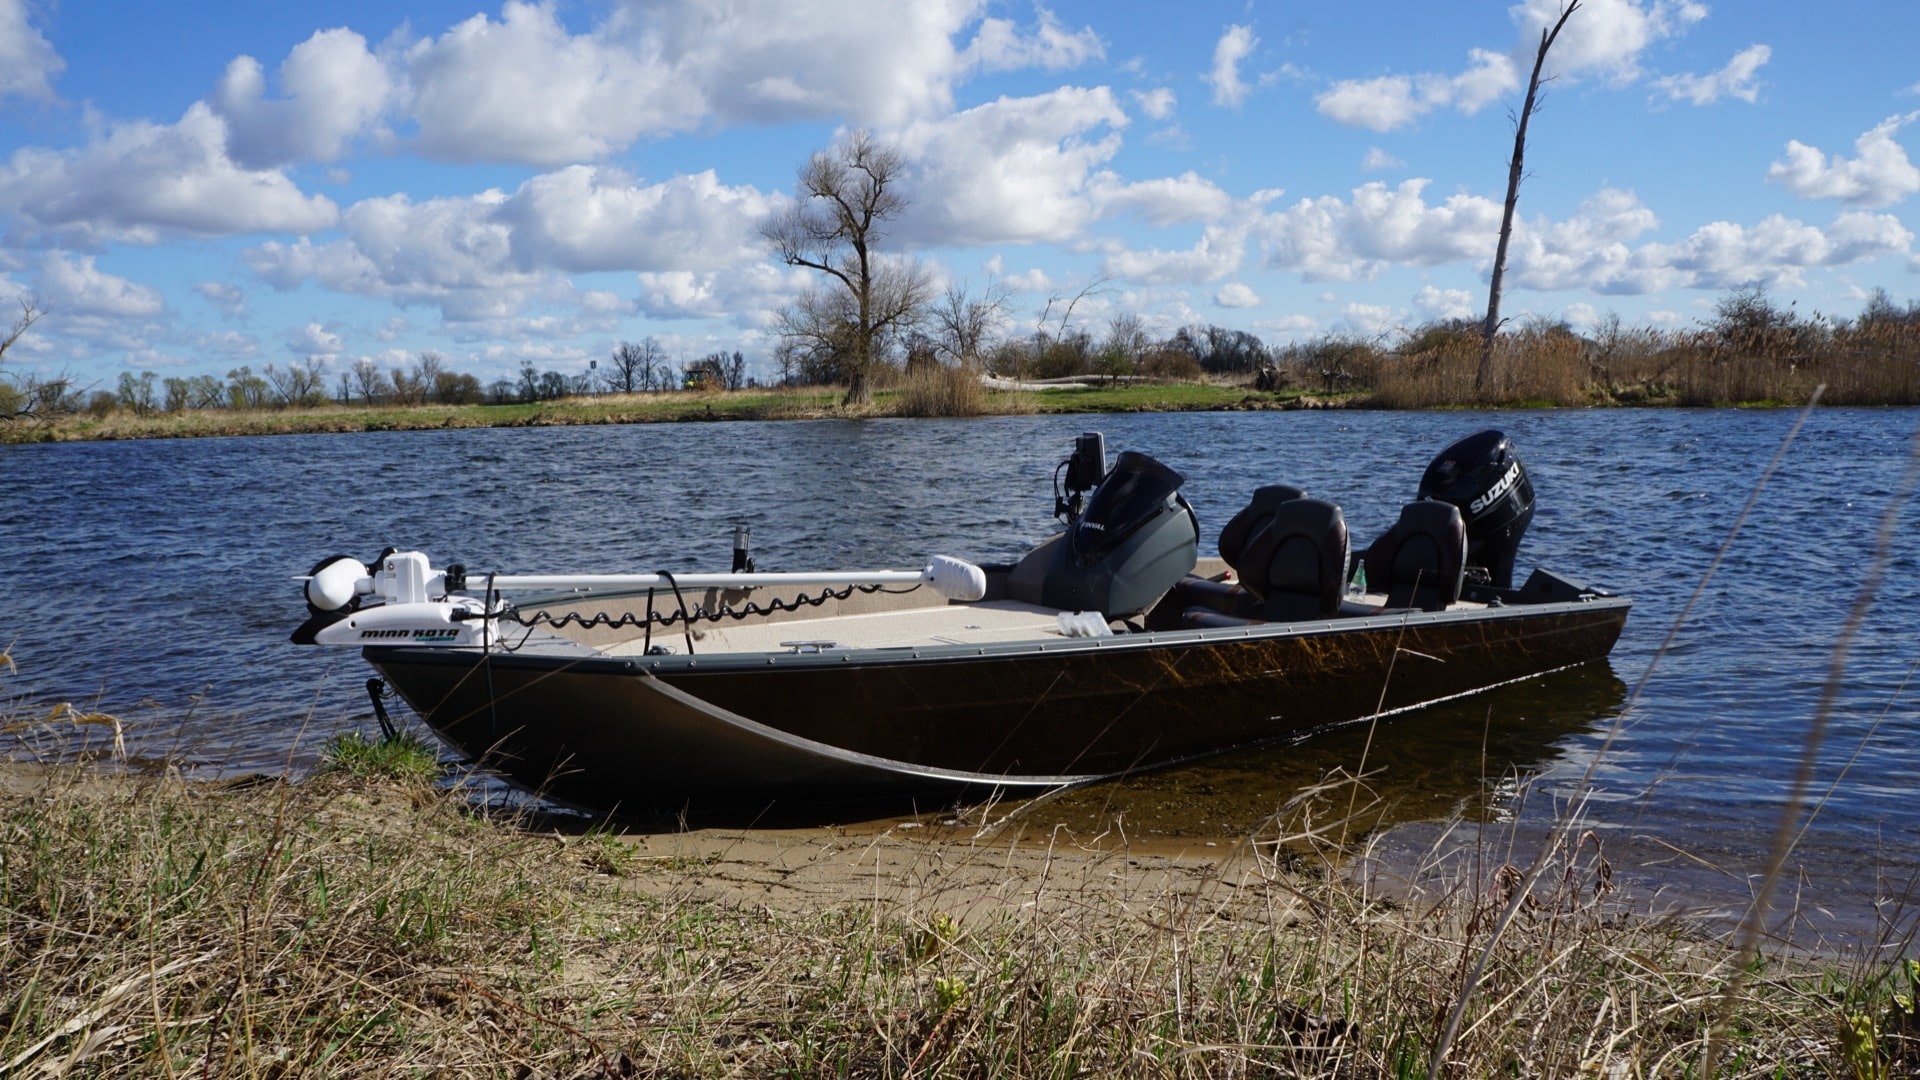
(417, 604)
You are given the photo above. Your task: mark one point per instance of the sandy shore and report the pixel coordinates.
(939, 862)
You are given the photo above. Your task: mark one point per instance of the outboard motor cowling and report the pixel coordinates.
(1482, 476)
(1137, 537)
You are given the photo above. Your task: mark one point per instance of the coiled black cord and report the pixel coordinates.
(687, 615)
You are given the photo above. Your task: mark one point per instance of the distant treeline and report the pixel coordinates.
(308, 383)
(1753, 350)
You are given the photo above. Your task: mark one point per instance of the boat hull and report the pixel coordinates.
(741, 732)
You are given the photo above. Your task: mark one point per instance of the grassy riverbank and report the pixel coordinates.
(810, 403)
(351, 926)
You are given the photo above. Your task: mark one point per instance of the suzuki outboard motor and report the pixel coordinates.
(1482, 475)
(1137, 537)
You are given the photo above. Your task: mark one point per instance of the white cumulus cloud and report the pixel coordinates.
(1216, 255)
(586, 218)
(1739, 79)
(486, 256)
(1605, 37)
(1165, 201)
(28, 62)
(452, 253)
(746, 294)
(1330, 239)
(1235, 45)
(140, 180)
(314, 340)
(1378, 160)
(334, 89)
(73, 286)
(1434, 303)
(1015, 170)
(999, 46)
(1880, 173)
(1774, 252)
(1236, 294)
(526, 88)
(1157, 103)
(1394, 101)
(230, 299)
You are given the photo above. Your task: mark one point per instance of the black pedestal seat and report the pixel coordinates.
(1226, 598)
(1421, 560)
(1293, 567)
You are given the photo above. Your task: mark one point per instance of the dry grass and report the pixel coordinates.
(349, 925)
(153, 928)
(1778, 362)
(941, 390)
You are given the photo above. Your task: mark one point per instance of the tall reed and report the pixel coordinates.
(936, 389)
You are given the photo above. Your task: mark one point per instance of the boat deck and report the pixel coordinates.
(955, 624)
(985, 623)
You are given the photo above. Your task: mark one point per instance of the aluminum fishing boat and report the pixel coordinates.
(1110, 648)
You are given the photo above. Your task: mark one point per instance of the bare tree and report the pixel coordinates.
(1064, 305)
(428, 370)
(1515, 170)
(843, 199)
(300, 383)
(245, 390)
(30, 313)
(632, 367)
(1126, 342)
(963, 324)
(135, 392)
(19, 401)
(407, 388)
(205, 392)
(370, 382)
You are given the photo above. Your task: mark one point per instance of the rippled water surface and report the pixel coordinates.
(151, 580)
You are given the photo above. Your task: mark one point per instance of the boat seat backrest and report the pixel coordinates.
(1296, 563)
(1258, 511)
(1421, 560)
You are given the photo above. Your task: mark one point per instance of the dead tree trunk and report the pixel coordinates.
(1483, 377)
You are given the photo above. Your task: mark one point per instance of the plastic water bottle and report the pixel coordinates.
(1357, 584)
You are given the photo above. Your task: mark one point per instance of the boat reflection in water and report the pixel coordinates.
(1457, 759)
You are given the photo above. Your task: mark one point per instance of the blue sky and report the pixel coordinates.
(187, 190)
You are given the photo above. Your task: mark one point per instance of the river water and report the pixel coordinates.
(151, 580)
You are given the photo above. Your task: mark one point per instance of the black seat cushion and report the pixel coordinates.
(1258, 511)
(1421, 560)
(1200, 594)
(1296, 563)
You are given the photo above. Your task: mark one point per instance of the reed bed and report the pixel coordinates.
(945, 390)
(1762, 357)
(349, 926)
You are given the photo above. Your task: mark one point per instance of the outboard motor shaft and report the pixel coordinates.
(1482, 475)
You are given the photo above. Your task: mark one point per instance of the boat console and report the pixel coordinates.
(1136, 538)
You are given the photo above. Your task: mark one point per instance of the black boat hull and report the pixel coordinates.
(737, 732)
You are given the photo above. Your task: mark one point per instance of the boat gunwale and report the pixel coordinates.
(573, 656)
